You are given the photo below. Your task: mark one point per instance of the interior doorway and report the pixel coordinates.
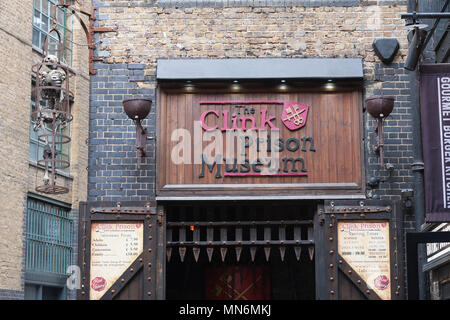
(240, 251)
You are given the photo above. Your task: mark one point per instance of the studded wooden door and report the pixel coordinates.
(121, 251)
(358, 254)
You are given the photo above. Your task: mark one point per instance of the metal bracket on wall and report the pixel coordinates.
(362, 208)
(89, 31)
(147, 209)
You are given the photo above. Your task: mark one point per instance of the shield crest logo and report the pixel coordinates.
(294, 115)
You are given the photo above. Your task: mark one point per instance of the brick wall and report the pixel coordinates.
(149, 30)
(113, 174)
(15, 64)
(18, 176)
(391, 80)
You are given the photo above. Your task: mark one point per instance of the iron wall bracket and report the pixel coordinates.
(332, 209)
(89, 31)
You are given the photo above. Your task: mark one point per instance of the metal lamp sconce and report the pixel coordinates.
(380, 107)
(137, 110)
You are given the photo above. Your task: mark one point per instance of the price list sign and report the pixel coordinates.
(114, 247)
(365, 247)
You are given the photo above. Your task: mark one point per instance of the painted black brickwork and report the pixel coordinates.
(113, 173)
(112, 158)
(393, 81)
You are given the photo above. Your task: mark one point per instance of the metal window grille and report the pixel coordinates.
(36, 147)
(246, 230)
(42, 22)
(48, 237)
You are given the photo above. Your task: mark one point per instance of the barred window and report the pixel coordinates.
(48, 237)
(42, 23)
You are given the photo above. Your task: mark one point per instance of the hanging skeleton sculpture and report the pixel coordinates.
(51, 81)
(51, 115)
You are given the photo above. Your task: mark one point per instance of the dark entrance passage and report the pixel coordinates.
(240, 251)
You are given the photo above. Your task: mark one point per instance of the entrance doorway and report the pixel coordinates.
(240, 251)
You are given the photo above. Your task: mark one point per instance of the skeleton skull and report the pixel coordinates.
(54, 77)
(52, 59)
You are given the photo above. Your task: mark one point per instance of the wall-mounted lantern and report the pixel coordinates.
(137, 110)
(380, 107)
(420, 34)
(417, 43)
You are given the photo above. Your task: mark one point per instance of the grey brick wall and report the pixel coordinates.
(392, 80)
(254, 3)
(112, 170)
(398, 128)
(11, 295)
(241, 3)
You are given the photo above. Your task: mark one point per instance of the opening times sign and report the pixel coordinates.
(435, 116)
(365, 247)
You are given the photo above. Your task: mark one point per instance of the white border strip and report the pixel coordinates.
(444, 191)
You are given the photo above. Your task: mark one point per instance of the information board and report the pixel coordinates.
(365, 247)
(114, 247)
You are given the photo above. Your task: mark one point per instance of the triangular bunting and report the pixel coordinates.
(282, 252)
(182, 251)
(298, 251)
(253, 253)
(209, 252)
(267, 253)
(311, 253)
(196, 252)
(223, 253)
(238, 253)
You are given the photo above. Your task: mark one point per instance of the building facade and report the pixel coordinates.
(38, 237)
(295, 73)
(183, 53)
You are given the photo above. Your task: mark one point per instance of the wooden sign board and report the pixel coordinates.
(298, 145)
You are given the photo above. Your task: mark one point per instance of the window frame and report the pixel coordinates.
(38, 27)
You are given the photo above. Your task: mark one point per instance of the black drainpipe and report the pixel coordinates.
(417, 166)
